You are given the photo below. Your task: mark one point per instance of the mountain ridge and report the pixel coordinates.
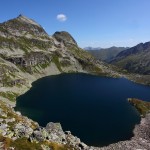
(134, 59)
(27, 20)
(106, 54)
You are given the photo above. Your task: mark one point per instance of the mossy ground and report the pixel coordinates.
(9, 95)
(25, 144)
(142, 106)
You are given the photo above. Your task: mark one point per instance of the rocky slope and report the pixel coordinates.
(135, 59)
(28, 53)
(106, 54)
(20, 133)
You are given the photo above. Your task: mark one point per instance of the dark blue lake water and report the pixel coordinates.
(93, 108)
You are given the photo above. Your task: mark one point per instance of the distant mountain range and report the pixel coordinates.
(105, 54)
(92, 48)
(135, 59)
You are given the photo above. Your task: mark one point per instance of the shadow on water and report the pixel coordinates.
(93, 108)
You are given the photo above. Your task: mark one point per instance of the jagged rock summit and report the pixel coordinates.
(23, 26)
(25, 19)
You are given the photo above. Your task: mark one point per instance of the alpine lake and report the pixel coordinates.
(93, 108)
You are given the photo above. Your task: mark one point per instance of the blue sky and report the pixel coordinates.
(97, 23)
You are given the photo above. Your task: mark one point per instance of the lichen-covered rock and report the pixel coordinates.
(21, 130)
(39, 134)
(55, 132)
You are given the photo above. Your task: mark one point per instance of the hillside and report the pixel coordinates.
(135, 59)
(106, 54)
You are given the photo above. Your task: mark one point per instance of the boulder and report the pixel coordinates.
(22, 130)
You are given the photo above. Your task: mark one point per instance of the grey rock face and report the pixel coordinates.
(55, 132)
(39, 135)
(22, 130)
(50, 127)
(31, 59)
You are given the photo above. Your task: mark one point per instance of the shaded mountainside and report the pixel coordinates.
(135, 59)
(106, 54)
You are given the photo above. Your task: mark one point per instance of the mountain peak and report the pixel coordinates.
(24, 26)
(64, 37)
(21, 15)
(27, 20)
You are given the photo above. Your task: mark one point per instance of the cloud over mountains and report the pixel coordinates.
(61, 17)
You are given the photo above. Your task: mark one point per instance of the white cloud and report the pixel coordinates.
(61, 17)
